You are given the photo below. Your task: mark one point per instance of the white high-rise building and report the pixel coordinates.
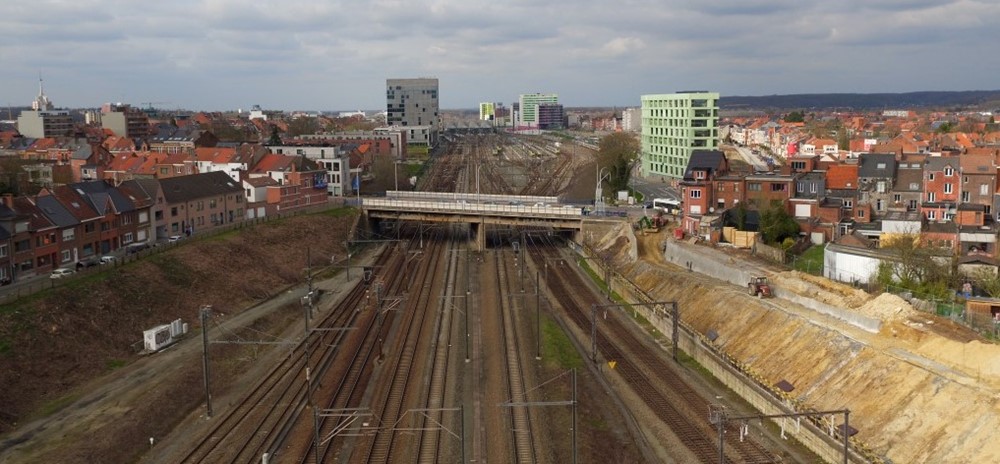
(673, 126)
(528, 117)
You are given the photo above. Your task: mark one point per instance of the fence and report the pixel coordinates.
(953, 308)
(43, 282)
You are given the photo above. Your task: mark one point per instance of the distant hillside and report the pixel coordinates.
(983, 99)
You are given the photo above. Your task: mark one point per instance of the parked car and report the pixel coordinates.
(136, 247)
(174, 238)
(60, 273)
(87, 262)
(108, 259)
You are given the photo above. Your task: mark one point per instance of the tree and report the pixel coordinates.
(275, 138)
(776, 224)
(795, 116)
(988, 281)
(618, 153)
(945, 128)
(843, 141)
(912, 265)
(303, 125)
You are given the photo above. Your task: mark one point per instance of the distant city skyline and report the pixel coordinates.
(316, 55)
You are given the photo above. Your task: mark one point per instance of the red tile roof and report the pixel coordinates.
(842, 176)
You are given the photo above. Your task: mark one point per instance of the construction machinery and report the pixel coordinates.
(760, 287)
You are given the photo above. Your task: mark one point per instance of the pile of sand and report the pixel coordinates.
(887, 307)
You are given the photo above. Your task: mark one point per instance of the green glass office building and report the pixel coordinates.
(673, 126)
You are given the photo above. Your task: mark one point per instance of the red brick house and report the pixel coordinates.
(698, 189)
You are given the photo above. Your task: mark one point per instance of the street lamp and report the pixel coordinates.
(598, 191)
(395, 173)
(477, 181)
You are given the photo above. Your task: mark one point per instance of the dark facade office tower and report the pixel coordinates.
(551, 116)
(412, 102)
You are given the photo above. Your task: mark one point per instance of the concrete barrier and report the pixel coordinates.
(718, 265)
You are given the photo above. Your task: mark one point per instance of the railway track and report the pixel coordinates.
(668, 396)
(243, 432)
(523, 445)
(360, 354)
(401, 360)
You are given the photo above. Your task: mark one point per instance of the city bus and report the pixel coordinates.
(667, 205)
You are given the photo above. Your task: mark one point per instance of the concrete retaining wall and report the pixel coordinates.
(716, 264)
(815, 436)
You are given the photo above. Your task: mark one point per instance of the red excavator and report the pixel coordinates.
(758, 286)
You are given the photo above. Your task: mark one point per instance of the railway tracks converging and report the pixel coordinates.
(395, 388)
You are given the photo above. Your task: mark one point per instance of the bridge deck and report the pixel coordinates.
(471, 208)
(472, 197)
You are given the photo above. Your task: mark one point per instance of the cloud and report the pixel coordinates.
(318, 54)
(621, 46)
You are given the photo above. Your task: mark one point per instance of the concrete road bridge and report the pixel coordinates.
(477, 210)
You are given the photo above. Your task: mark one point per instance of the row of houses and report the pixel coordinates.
(75, 223)
(952, 201)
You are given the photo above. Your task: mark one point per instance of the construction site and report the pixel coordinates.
(919, 388)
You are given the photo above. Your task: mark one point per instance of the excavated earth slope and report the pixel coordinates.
(920, 390)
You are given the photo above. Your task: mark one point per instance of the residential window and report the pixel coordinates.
(930, 176)
(699, 174)
(778, 187)
(861, 213)
(212, 203)
(127, 238)
(813, 187)
(173, 211)
(932, 215)
(753, 187)
(880, 186)
(896, 198)
(931, 197)
(879, 205)
(201, 205)
(68, 235)
(913, 205)
(3, 251)
(23, 245)
(965, 179)
(66, 256)
(948, 171)
(695, 193)
(984, 189)
(848, 203)
(965, 195)
(948, 189)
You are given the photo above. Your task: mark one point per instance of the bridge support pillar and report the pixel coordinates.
(478, 232)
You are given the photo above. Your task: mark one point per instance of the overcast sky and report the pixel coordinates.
(336, 55)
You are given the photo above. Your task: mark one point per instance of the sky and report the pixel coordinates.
(216, 55)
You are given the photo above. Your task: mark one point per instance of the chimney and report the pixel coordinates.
(8, 200)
